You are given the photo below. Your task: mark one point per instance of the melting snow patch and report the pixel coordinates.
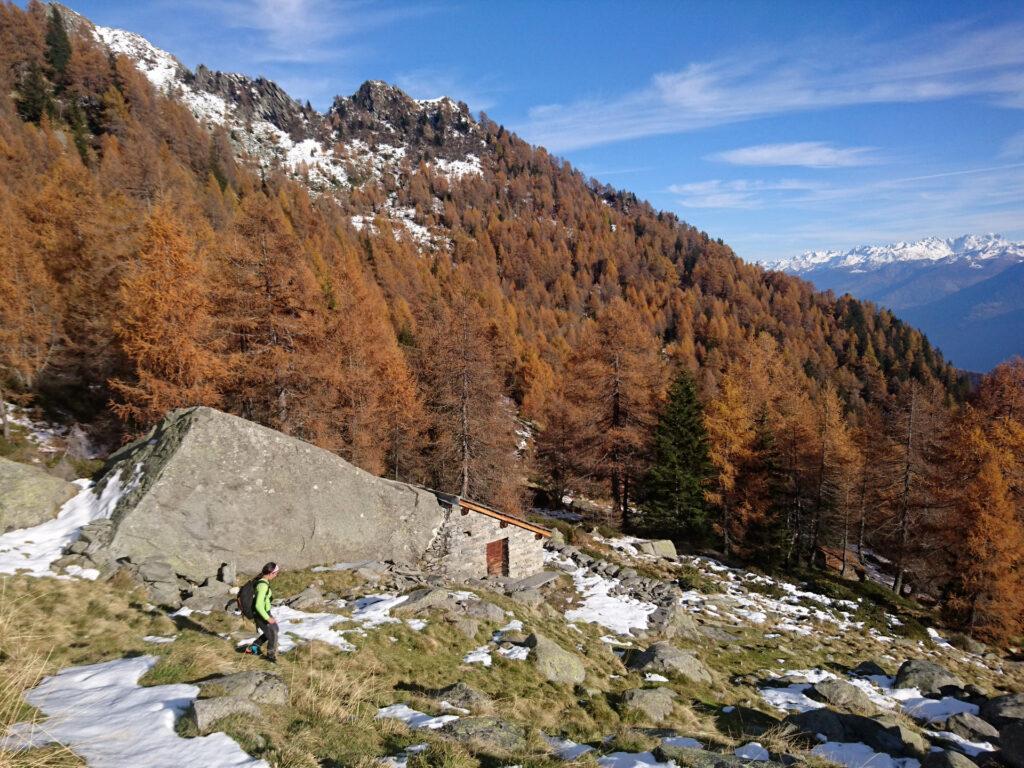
(567, 749)
(414, 718)
(857, 755)
(619, 613)
(103, 714)
(654, 677)
(972, 748)
(753, 751)
(631, 760)
(33, 550)
(159, 640)
(515, 653)
(481, 655)
(684, 742)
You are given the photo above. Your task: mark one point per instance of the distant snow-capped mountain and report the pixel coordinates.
(966, 293)
(968, 248)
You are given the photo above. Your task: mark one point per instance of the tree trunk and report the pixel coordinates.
(902, 522)
(3, 415)
(465, 432)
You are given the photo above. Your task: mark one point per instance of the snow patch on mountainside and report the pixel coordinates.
(969, 248)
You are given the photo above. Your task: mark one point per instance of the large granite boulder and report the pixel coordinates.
(1003, 709)
(656, 704)
(1011, 742)
(204, 488)
(927, 676)
(29, 496)
(842, 695)
(665, 659)
(554, 662)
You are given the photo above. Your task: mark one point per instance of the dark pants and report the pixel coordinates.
(268, 635)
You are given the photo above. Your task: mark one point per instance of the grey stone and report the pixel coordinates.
(534, 581)
(29, 496)
(881, 734)
(842, 695)
(554, 662)
(867, 669)
(666, 659)
(658, 548)
(1011, 743)
(164, 593)
(467, 626)
(927, 676)
(206, 712)
(680, 624)
(483, 610)
(557, 539)
(1003, 709)
(155, 570)
(308, 599)
(464, 696)
(742, 721)
(489, 734)
(947, 759)
(421, 600)
(656, 704)
(971, 727)
(259, 687)
(208, 479)
(717, 634)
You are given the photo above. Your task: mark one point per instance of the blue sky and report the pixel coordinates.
(779, 127)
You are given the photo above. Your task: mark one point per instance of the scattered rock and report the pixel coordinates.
(227, 573)
(482, 610)
(311, 598)
(927, 676)
(971, 727)
(258, 687)
(466, 626)
(655, 703)
(1011, 742)
(462, 695)
(489, 734)
(742, 721)
(534, 581)
(717, 634)
(29, 496)
(1003, 709)
(680, 624)
(841, 726)
(658, 548)
(421, 600)
(867, 669)
(554, 662)
(666, 659)
(842, 695)
(206, 712)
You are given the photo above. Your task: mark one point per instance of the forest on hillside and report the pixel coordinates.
(146, 265)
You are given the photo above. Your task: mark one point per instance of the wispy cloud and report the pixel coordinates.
(308, 31)
(738, 193)
(1013, 147)
(943, 63)
(806, 154)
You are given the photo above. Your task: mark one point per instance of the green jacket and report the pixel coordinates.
(263, 595)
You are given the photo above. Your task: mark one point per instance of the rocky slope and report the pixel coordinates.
(621, 653)
(965, 292)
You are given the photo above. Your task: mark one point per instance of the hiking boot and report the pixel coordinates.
(271, 659)
(252, 650)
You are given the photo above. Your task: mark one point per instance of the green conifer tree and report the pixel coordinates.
(58, 46)
(34, 95)
(673, 490)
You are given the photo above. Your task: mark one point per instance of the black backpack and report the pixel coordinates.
(247, 598)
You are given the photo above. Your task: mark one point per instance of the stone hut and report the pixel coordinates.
(205, 488)
(477, 541)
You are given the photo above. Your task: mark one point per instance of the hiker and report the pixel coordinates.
(259, 611)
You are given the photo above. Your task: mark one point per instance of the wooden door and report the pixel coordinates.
(497, 558)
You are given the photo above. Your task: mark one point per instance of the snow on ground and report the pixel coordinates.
(619, 613)
(753, 751)
(159, 639)
(971, 748)
(567, 749)
(857, 755)
(47, 437)
(414, 718)
(402, 760)
(682, 741)
(368, 612)
(481, 655)
(631, 760)
(33, 550)
(102, 713)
